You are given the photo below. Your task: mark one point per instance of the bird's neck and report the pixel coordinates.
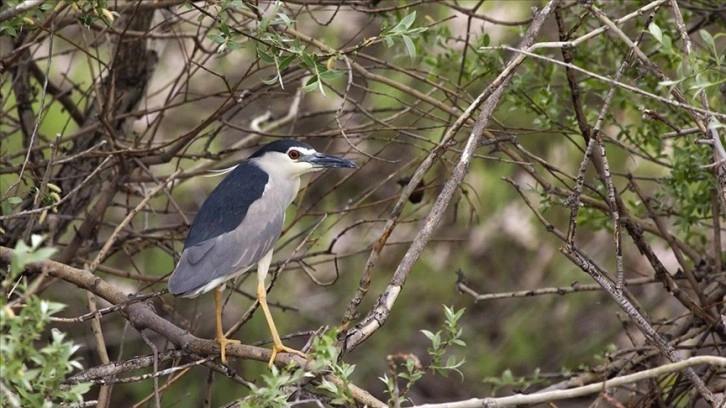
(285, 185)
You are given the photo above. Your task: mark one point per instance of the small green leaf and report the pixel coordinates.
(484, 40)
(404, 24)
(308, 61)
(311, 85)
(233, 45)
(656, 32)
(285, 19)
(429, 335)
(328, 386)
(707, 38)
(216, 38)
(265, 56)
(330, 75)
(670, 83)
(667, 44)
(269, 81)
(285, 61)
(40, 255)
(9, 30)
(410, 47)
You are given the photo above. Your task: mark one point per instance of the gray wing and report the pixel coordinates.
(209, 263)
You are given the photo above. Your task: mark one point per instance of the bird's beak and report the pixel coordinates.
(322, 160)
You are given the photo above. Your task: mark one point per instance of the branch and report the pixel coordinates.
(378, 315)
(549, 396)
(685, 106)
(462, 286)
(19, 9)
(589, 267)
(142, 316)
(719, 153)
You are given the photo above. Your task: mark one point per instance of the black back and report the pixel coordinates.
(227, 205)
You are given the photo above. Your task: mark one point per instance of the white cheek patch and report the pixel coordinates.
(280, 166)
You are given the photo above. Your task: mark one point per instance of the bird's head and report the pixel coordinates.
(296, 158)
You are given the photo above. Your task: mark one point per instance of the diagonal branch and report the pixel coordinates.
(378, 314)
(142, 316)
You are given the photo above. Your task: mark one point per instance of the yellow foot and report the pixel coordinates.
(279, 348)
(223, 341)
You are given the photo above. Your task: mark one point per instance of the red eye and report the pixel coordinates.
(293, 154)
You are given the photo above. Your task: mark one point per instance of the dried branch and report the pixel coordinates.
(378, 314)
(142, 316)
(601, 387)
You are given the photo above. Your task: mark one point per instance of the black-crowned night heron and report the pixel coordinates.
(239, 224)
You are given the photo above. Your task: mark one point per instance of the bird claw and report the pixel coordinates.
(279, 348)
(223, 342)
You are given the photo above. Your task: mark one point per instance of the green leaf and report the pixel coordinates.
(328, 386)
(707, 38)
(285, 61)
(507, 377)
(670, 83)
(285, 19)
(410, 47)
(484, 40)
(269, 81)
(216, 38)
(656, 32)
(232, 45)
(311, 85)
(667, 44)
(329, 75)
(404, 24)
(265, 56)
(9, 30)
(40, 255)
(429, 335)
(308, 61)
(458, 342)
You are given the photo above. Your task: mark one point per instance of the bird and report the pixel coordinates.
(238, 225)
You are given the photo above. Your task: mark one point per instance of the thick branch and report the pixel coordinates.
(142, 316)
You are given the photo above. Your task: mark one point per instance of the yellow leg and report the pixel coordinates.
(223, 341)
(277, 346)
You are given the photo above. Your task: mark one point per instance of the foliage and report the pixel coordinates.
(441, 342)
(508, 380)
(33, 374)
(103, 100)
(12, 26)
(443, 339)
(404, 31)
(280, 385)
